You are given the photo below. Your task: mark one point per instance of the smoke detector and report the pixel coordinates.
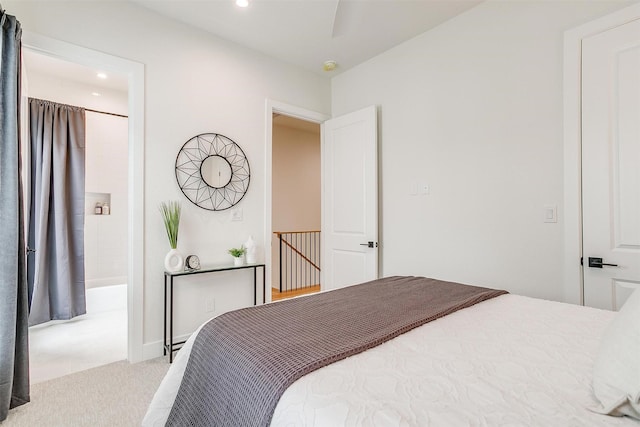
(329, 65)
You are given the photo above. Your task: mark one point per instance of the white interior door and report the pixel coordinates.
(611, 165)
(350, 199)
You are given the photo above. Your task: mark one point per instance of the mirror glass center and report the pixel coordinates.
(216, 171)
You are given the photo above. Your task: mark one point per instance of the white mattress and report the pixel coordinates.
(511, 360)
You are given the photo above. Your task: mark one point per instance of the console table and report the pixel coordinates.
(169, 346)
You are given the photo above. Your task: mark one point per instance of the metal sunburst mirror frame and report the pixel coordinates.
(190, 177)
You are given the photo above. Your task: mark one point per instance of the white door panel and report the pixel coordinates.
(621, 291)
(348, 180)
(611, 164)
(348, 268)
(350, 199)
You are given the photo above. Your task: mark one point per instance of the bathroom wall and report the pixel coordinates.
(105, 241)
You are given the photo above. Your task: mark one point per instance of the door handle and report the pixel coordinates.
(370, 244)
(597, 263)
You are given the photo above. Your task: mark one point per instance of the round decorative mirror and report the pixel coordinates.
(212, 171)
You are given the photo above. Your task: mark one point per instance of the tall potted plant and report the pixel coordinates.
(174, 260)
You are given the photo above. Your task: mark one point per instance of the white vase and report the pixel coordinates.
(238, 261)
(173, 262)
(250, 247)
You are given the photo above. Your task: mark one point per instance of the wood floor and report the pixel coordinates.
(276, 295)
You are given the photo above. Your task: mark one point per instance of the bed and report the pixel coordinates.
(507, 360)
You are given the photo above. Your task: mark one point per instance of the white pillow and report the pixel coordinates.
(616, 375)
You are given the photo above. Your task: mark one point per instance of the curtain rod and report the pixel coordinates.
(85, 109)
(104, 112)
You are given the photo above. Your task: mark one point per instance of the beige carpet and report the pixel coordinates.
(112, 395)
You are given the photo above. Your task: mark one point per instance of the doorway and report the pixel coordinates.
(295, 116)
(134, 73)
(99, 337)
(296, 207)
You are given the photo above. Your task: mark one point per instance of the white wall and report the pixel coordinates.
(473, 108)
(194, 83)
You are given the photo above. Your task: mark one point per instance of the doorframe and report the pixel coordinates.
(271, 107)
(135, 72)
(572, 97)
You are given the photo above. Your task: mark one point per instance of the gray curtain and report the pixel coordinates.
(14, 344)
(56, 220)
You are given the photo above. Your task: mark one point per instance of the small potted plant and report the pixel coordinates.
(238, 255)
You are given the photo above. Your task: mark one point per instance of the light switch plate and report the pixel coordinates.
(550, 213)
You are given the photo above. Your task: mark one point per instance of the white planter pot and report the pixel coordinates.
(238, 261)
(174, 261)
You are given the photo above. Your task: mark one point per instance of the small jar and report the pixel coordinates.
(106, 210)
(98, 210)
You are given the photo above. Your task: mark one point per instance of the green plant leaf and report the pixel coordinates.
(171, 216)
(237, 252)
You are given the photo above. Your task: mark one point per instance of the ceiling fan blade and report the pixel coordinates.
(343, 19)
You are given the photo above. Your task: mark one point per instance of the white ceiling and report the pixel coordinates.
(301, 32)
(309, 32)
(38, 63)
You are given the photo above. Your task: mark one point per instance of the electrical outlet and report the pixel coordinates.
(210, 305)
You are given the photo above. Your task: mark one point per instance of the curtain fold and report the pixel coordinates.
(14, 345)
(56, 223)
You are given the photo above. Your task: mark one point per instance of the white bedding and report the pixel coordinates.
(508, 361)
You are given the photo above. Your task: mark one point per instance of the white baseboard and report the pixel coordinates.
(105, 281)
(154, 349)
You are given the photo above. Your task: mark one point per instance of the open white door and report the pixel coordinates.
(611, 165)
(350, 199)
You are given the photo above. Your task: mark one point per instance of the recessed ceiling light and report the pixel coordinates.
(242, 3)
(101, 75)
(96, 94)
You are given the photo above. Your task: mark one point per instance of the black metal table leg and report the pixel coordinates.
(171, 319)
(164, 323)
